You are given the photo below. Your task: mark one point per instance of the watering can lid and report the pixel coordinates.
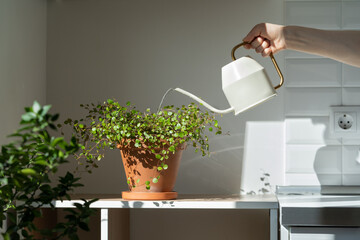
(239, 69)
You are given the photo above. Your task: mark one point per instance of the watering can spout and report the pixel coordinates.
(205, 104)
(245, 84)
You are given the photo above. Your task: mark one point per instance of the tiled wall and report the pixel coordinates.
(313, 85)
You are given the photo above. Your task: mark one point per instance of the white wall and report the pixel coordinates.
(136, 50)
(22, 60)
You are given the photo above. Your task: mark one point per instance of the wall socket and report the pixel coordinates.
(344, 122)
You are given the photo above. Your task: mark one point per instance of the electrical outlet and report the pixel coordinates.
(344, 122)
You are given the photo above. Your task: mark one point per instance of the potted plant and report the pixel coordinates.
(25, 187)
(151, 144)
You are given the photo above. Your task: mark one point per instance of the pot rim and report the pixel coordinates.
(120, 145)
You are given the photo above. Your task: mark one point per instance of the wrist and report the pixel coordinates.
(286, 32)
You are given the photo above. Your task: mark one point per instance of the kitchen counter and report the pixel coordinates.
(319, 201)
(305, 211)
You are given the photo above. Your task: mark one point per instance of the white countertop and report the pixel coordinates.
(311, 197)
(317, 200)
(267, 201)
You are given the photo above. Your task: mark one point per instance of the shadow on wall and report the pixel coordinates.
(336, 163)
(250, 163)
(219, 173)
(263, 165)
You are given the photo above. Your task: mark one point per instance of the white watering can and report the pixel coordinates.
(245, 84)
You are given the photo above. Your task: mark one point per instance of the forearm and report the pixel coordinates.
(342, 45)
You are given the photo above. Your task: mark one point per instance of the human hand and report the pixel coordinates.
(266, 38)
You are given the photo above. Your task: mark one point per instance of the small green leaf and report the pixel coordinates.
(84, 226)
(7, 236)
(28, 116)
(36, 107)
(45, 110)
(155, 180)
(55, 117)
(28, 171)
(41, 162)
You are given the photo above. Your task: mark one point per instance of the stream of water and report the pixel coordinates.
(162, 100)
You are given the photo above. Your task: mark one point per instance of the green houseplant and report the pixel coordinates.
(148, 141)
(25, 187)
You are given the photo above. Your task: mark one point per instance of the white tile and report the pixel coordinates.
(300, 158)
(301, 179)
(351, 75)
(351, 96)
(330, 179)
(309, 130)
(313, 159)
(351, 159)
(314, 14)
(295, 54)
(350, 141)
(351, 179)
(328, 160)
(313, 179)
(313, 72)
(311, 101)
(350, 15)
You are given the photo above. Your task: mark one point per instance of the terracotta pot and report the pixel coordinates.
(141, 165)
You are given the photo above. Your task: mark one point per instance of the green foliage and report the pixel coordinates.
(25, 187)
(109, 124)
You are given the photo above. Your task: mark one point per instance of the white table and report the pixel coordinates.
(107, 202)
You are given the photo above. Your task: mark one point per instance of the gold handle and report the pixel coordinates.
(272, 59)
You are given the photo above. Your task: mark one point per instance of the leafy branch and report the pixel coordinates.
(25, 186)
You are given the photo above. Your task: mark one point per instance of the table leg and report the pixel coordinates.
(104, 224)
(273, 224)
